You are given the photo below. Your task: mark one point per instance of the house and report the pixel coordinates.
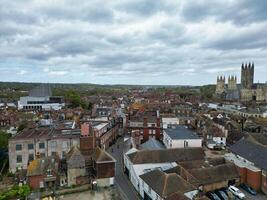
(140, 162)
(250, 157)
(160, 185)
(145, 125)
(75, 166)
(103, 167)
(43, 172)
(178, 136)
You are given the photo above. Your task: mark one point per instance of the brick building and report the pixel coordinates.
(253, 165)
(145, 125)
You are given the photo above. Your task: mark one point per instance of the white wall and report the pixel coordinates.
(169, 120)
(171, 143)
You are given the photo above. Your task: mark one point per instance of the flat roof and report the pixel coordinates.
(46, 133)
(180, 132)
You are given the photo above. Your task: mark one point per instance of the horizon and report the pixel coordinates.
(146, 43)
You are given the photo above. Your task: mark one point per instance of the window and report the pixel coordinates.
(18, 147)
(63, 154)
(19, 158)
(65, 145)
(54, 153)
(53, 144)
(41, 145)
(49, 172)
(42, 155)
(30, 146)
(31, 157)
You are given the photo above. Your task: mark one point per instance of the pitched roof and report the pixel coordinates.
(41, 165)
(74, 158)
(151, 144)
(215, 174)
(165, 184)
(180, 132)
(252, 152)
(100, 155)
(177, 196)
(166, 155)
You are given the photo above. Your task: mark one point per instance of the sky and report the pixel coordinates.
(153, 42)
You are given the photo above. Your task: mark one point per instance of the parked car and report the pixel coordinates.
(221, 194)
(212, 196)
(236, 192)
(248, 189)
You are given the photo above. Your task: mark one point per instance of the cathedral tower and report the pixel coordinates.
(220, 87)
(232, 83)
(247, 75)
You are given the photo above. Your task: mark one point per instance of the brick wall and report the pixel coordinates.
(34, 181)
(254, 179)
(105, 170)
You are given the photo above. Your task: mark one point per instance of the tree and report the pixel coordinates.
(4, 139)
(73, 98)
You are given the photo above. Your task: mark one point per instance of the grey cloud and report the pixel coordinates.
(147, 7)
(239, 12)
(162, 40)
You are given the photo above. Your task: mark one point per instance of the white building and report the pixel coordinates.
(137, 163)
(180, 137)
(166, 121)
(158, 185)
(40, 98)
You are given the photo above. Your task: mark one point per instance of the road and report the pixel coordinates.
(121, 180)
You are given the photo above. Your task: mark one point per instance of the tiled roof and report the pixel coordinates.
(165, 184)
(100, 155)
(215, 174)
(41, 165)
(166, 155)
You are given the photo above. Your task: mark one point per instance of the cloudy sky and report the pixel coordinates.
(131, 41)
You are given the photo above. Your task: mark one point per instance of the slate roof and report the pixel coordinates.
(151, 144)
(252, 152)
(165, 184)
(180, 133)
(166, 155)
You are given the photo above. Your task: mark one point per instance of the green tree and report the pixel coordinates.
(4, 139)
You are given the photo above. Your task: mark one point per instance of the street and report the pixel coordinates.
(121, 180)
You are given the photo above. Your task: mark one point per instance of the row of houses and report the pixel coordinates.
(185, 172)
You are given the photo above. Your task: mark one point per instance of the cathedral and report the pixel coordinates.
(246, 91)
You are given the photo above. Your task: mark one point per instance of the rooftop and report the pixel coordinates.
(166, 155)
(180, 132)
(252, 152)
(165, 184)
(46, 132)
(151, 144)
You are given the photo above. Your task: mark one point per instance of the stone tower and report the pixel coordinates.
(232, 83)
(220, 87)
(247, 75)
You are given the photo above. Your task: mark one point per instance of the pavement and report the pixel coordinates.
(104, 194)
(121, 180)
(259, 196)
